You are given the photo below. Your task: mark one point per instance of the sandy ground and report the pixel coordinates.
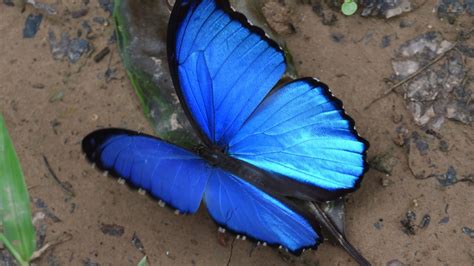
(354, 68)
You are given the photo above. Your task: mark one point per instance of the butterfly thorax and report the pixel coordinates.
(218, 157)
(215, 156)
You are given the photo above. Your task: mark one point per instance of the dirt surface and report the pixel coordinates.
(50, 105)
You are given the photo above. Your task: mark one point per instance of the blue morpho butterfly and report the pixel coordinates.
(265, 151)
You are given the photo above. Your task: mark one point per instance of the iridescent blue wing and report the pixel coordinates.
(241, 207)
(301, 132)
(167, 172)
(222, 67)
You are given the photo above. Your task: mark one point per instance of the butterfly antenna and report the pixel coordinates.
(324, 220)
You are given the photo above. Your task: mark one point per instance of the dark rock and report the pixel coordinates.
(408, 226)
(337, 37)
(420, 143)
(32, 25)
(73, 49)
(41, 234)
(450, 9)
(384, 163)
(386, 40)
(100, 20)
(468, 231)
(385, 8)
(88, 29)
(137, 243)
(425, 221)
(449, 178)
(443, 146)
(107, 5)
(77, 48)
(466, 50)
(469, 7)
(8, 2)
(379, 224)
(112, 229)
(112, 38)
(6, 258)
(79, 13)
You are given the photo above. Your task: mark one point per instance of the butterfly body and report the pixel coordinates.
(265, 151)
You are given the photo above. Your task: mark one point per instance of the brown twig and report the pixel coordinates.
(412, 76)
(55, 177)
(37, 254)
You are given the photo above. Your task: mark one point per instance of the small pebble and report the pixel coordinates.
(394, 263)
(79, 13)
(8, 2)
(468, 231)
(137, 243)
(112, 229)
(386, 41)
(32, 25)
(58, 96)
(425, 221)
(38, 86)
(379, 224)
(337, 37)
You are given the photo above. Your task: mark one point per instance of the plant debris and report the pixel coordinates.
(101, 55)
(385, 8)
(40, 204)
(441, 91)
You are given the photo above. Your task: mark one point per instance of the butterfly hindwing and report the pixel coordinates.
(167, 172)
(302, 132)
(246, 210)
(222, 67)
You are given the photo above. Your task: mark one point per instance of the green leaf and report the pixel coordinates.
(349, 7)
(143, 262)
(16, 227)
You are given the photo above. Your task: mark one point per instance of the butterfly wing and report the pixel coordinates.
(172, 174)
(222, 67)
(301, 132)
(247, 210)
